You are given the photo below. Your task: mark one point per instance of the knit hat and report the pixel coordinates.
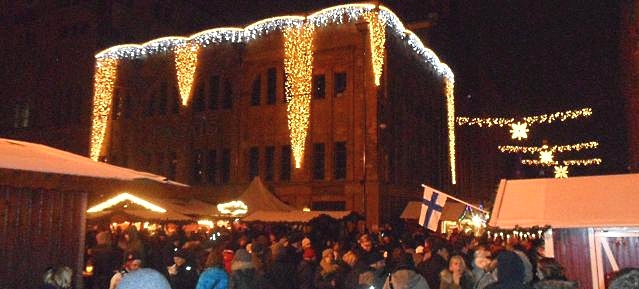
(309, 253)
(144, 278)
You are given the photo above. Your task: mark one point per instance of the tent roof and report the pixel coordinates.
(26, 156)
(577, 202)
(176, 210)
(257, 198)
(292, 216)
(452, 210)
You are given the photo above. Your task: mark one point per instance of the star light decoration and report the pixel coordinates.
(341, 14)
(561, 172)
(546, 157)
(519, 130)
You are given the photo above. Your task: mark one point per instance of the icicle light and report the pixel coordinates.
(185, 66)
(562, 148)
(450, 105)
(377, 33)
(298, 67)
(536, 119)
(103, 86)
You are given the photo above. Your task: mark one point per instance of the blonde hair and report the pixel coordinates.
(350, 258)
(59, 276)
(459, 258)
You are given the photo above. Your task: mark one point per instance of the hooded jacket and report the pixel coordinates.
(406, 279)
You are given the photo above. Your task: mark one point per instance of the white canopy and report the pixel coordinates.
(576, 202)
(292, 216)
(258, 198)
(26, 156)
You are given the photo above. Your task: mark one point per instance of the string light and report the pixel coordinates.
(585, 162)
(104, 84)
(561, 172)
(125, 197)
(450, 107)
(298, 67)
(537, 119)
(377, 29)
(340, 14)
(185, 66)
(561, 148)
(233, 208)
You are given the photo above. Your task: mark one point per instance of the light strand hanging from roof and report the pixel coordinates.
(185, 66)
(450, 104)
(298, 67)
(377, 34)
(584, 162)
(103, 87)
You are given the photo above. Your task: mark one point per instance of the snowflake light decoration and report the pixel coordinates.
(546, 157)
(519, 130)
(561, 172)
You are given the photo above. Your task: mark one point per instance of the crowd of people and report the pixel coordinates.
(349, 257)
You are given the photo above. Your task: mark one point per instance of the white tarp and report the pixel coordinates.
(576, 202)
(26, 156)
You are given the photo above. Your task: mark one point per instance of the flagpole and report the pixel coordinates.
(456, 199)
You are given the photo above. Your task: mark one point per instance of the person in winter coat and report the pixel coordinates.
(438, 261)
(483, 269)
(326, 276)
(132, 263)
(405, 276)
(183, 273)
(456, 276)
(243, 272)
(374, 275)
(306, 270)
(510, 272)
(215, 276)
(346, 273)
(145, 278)
(551, 275)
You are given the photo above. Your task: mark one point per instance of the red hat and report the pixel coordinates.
(309, 253)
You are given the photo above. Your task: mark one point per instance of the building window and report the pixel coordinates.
(269, 157)
(22, 115)
(197, 165)
(254, 162)
(319, 152)
(173, 161)
(176, 100)
(255, 92)
(339, 161)
(214, 91)
(271, 84)
(285, 163)
(228, 94)
(226, 166)
(199, 101)
(319, 86)
(162, 100)
(340, 83)
(211, 167)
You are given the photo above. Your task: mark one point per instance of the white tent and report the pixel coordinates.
(588, 216)
(258, 198)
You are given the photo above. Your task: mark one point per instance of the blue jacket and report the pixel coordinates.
(213, 278)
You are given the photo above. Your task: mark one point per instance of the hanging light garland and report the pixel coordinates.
(380, 19)
(125, 197)
(377, 29)
(104, 85)
(561, 148)
(585, 162)
(298, 67)
(520, 127)
(185, 66)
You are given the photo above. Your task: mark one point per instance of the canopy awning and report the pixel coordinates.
(292, 216)
(576, 202)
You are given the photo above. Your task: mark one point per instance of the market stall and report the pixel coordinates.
(593, 220)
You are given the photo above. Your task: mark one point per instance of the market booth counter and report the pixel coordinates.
(593, 220)
(45, 193)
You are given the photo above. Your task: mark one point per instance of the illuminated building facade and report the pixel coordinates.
(329, 115)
